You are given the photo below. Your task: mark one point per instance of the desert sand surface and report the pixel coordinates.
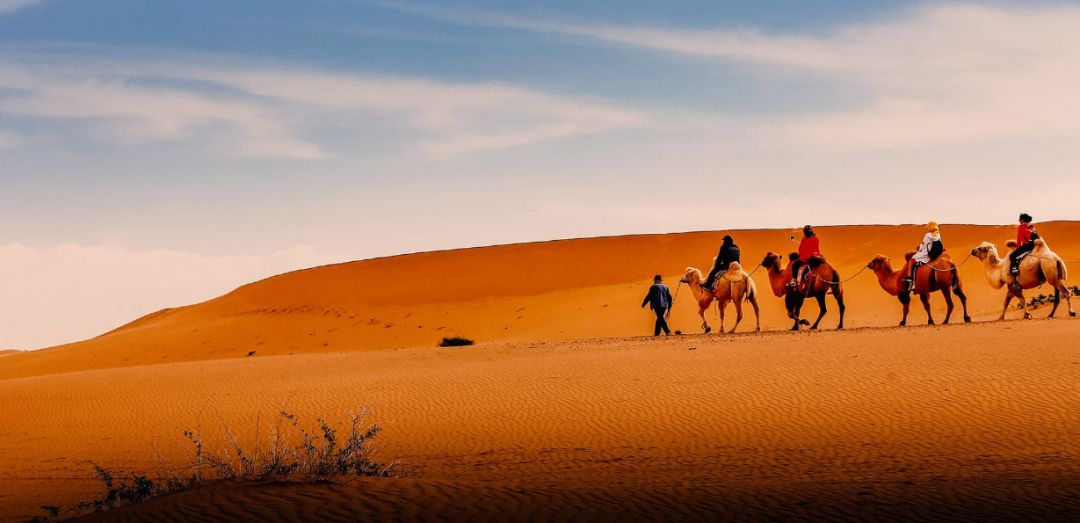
(556, 413)
(948, 423)
(560, 290)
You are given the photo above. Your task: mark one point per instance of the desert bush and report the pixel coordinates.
(1046, 299)
(455, 341)
(290, 452)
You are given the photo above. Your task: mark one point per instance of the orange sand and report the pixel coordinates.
(544, 419)
(870, 421)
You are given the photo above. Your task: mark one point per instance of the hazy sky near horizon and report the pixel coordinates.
(154, 154)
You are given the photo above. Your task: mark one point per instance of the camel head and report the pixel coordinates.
(771, 262)
(880, 263)
(984, 251)
(692, 276)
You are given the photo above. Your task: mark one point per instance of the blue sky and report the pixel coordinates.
(158, 153)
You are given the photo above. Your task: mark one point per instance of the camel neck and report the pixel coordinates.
(887, 278)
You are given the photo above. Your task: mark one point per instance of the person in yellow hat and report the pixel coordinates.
(930, 248)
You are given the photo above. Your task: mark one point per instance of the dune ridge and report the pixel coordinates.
(560, 290)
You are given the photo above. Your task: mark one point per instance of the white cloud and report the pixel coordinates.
(8, 6)
(935, 75)
(462, 118)
(61, 293)
(267, 109)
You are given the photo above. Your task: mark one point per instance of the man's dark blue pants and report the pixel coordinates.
(661, 323)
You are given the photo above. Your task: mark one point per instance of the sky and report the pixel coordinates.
(155, 154)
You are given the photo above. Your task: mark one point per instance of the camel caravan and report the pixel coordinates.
(1027, 264)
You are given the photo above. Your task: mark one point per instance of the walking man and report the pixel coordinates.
(659, 300)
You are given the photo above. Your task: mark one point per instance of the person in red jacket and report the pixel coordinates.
(1025, 242)
(809, 247)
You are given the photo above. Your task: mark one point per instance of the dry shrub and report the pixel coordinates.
(289, 452)
(455, 341)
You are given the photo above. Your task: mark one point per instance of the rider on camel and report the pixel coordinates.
(809, 247)
(1025, 242)
(929, 249)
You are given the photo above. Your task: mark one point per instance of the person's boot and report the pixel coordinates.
(909, 284)
(1014, 269)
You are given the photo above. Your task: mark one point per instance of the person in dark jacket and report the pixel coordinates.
(1025, 242)
(729, 252)
(659, 300)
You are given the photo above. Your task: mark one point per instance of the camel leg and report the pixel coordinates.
(738, 315)
(757, 314)
(721, 306)
(948, 304)
(821, 311)
(839, 295)
(963, 303)
(925, 299)
(1023, 301)
(704, 323)
(796, 313)
(1057, 299)
(1019, 294)
(1008, 299)
(905, 300)
(1068, 298)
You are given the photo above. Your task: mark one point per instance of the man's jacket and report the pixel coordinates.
(659, 297)
(727, 254)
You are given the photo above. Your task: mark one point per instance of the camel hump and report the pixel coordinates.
(734, 267)
(909, 255)
(1040, 244)
(1011, 244)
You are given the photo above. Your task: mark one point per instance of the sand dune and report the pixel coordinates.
(562, 290)
(551, 417)
(962, 418)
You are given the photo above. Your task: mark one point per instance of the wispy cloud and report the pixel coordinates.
(265, 110)
(934, 75)
(8, 6)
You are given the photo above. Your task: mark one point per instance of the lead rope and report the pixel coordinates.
(853, 276)
(951, 268)
(667, 315)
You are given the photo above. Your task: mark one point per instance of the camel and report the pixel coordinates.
(819, 282)
(735, 285)
(939, 275)
(1039, 267)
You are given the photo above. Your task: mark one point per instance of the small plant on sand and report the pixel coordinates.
(290, 452)
(455, 341)
(1046, 299)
